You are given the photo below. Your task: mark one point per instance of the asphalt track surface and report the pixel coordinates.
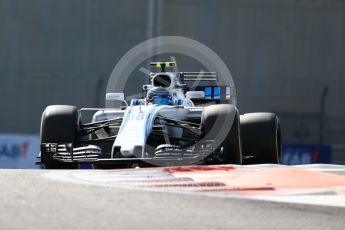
(32, 201)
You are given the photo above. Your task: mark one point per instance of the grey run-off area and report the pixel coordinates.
(30, 200)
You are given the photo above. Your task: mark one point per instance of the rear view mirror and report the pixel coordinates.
(115, 96)
(195, 95)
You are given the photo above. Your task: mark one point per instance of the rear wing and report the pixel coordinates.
(198, 76)
(208, 83)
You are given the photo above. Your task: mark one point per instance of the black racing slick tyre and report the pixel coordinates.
(59, 124)
(220, 123)
(261, 138)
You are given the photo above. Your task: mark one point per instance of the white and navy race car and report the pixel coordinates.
(173, 123)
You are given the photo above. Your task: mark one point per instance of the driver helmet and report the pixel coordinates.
(159, 96)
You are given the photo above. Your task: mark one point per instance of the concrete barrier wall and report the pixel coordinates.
(281, 54)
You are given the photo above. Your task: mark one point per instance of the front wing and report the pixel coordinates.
(93, 154)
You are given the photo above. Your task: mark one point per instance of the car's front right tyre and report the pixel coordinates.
(59, 124)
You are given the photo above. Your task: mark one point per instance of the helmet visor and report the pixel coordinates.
(161, 100)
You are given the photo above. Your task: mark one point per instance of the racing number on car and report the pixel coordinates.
(139, 116)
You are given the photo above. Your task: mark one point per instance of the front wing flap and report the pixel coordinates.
(93, 154)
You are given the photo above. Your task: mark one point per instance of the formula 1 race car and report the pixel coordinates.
(173, 123)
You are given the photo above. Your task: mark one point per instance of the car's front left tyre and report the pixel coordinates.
(220, 123)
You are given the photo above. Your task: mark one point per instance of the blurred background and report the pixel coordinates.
(285, 56)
